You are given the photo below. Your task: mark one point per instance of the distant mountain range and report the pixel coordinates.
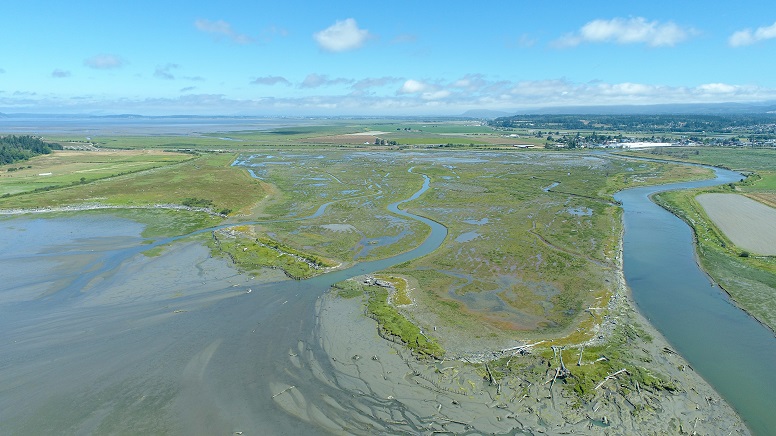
(655, 109)
(768, 107)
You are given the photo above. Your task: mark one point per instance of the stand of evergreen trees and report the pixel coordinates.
(18, 148)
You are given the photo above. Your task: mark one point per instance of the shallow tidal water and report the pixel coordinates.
(97, 338)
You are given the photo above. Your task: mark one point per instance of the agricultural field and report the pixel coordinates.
(313, 133)
(67, 167)
(746, 222)
(206, 182)
(394, 133)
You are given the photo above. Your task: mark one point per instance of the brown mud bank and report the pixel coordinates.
(519, 394)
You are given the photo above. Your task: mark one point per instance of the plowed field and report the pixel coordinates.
(747, 223)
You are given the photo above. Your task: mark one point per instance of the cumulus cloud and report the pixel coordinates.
(439, 94)
(220, 29)
(628, 31)
(270, 80)
(471, 82)
(749, 37)
(104, 62)
(318, 80)
(717, 88)
(374, 82)
(424, 90)
(412, 86)
(414, 96)
(342, 36)
(165, 71)
(59, 74)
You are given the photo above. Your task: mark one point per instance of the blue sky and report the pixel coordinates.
(392, 58)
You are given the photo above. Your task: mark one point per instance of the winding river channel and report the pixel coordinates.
(98, 339)
(729, 348)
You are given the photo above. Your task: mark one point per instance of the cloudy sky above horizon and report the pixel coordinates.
(399, 58)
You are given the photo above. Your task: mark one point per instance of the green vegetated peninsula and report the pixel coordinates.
(527, 286)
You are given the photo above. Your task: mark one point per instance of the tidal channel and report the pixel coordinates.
(730, 349)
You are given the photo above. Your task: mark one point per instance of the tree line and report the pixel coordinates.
(19, 148)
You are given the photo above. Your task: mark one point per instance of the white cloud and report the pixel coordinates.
(424, 91)
(374, 82)
(717, 88)
(436, 95)
(221, 29)
(60, 74)
(318, 80)
(270, 80)
(165, 71)
(412, 86)
(628, 31)
(415, 97)
(104, 62)
(471, 82)
(342, 36)
(748, 37)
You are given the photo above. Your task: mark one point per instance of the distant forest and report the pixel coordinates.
(19, 148)
(764, 124)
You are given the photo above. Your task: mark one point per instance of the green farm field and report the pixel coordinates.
(67, 167)
(170, 179)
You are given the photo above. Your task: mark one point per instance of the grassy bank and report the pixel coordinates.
(251, 253)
